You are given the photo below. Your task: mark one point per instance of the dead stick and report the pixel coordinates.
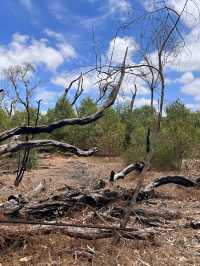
(60, 224)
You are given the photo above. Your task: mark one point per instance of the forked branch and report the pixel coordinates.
(72, 121)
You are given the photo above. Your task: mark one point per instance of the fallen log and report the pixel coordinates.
(130, 168)
(10, 148)
(60, 203)
(70, 199)
(76, 232)
(177, 180)
(119, 212)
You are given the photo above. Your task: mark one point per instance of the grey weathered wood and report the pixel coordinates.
(21, 145)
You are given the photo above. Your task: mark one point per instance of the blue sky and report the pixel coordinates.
(57, 38)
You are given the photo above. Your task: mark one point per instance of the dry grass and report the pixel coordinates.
(171, 247)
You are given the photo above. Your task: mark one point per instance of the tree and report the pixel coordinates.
(177, 137)
(110, 133)
(4, 120)
(137, 124)
(62, 110)
(87, 135)
(112, 89)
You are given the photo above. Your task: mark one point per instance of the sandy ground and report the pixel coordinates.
(179, 246)
(59, 171)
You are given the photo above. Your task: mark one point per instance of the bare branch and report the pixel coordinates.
(22, 145)
(73, 121)
(134, 93)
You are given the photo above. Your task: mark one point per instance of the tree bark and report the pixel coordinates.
(20, 145)
(121, 174)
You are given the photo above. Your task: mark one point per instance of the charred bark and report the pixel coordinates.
(138, 167)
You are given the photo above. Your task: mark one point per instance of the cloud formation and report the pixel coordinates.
(90, 80)
(47, 96)
(192, 89)
(24, 49)
(122, 7)
(118, 47)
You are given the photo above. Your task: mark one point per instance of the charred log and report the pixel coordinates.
(177, 180)
(71, 199)
(138, 167)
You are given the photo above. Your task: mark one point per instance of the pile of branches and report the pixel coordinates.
(105, 208)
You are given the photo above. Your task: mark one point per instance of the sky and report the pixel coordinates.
(60, 39)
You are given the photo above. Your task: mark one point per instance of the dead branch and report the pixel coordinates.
(134, 93)
(73, 121)
(61, 202)
(20, 145)
(121, 174)
(78, 231)
(73, 199)
(177, 180)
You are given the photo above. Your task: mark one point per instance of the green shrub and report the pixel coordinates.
(33, 159)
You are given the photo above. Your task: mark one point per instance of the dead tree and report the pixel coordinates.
(166, 40)
(29, 131)
(21, 87)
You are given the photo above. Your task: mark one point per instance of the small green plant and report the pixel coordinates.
(32, 160)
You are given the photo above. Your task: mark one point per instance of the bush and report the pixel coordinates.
(121, 131)
(110, 134)
(177, 140)
(136, 150)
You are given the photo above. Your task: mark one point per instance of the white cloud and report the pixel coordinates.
(90, 82)
(47, 97)
(186, 78)
(129, 83)
(24, 49)
(27, 4)
(192, 89)
(193, 106)
(64, 79)
(120, 44)
(188, 59)
(121, 7)
(151, 5)
(53, 34)
(139, 102)
(143, 101)
(191, 14)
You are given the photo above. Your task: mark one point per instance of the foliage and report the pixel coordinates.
(121, 131)
(110, 133)
(4, 120)
(86, 136)
(62, 110)
(177, 140)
